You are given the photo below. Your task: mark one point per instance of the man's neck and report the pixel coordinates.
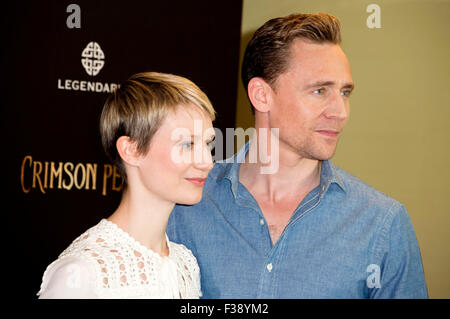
(295, 174)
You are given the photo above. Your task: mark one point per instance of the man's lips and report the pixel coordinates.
(197, 181)
(329, 133)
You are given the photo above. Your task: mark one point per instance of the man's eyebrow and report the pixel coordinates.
(349, 85)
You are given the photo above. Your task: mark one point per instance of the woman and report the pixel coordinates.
(157, 128)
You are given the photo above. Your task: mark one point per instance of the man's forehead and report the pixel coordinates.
(307, 44)
(307, 56)
(321, 83)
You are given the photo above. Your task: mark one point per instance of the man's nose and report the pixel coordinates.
(338, 107)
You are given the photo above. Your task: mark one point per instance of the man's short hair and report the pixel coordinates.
(267, 53)
(138, 107)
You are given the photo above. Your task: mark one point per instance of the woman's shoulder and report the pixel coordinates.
(69, 277)
(179, 248)
(183, 255)
(97, 244)
(79, 266)
(189, 269)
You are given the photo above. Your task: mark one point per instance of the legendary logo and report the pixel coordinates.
(92, 58)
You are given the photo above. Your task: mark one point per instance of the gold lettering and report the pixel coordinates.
(55, 173)
(91, 171)
(45, 174)
(66, 175)
(69, 173)
(22, 173)
(37, 169)
(75, 173)
(116, 176)
(107, 171)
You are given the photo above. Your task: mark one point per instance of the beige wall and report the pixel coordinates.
(397, 138)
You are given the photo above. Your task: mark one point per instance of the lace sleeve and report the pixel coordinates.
(198, 289)
(194, 290)
(68, 278)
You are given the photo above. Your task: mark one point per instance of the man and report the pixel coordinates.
(307, 229)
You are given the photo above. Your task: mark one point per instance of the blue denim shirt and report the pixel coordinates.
(344, 240)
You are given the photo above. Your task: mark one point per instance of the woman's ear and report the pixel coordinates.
(127, 150)
(259, 93)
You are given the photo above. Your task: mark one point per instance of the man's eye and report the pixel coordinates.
(319, 91)
(346, 93)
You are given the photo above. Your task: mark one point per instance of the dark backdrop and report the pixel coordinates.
(51, 113)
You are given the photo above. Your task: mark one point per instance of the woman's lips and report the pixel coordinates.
(197, 181)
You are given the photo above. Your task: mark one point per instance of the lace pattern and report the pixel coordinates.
(124, 268)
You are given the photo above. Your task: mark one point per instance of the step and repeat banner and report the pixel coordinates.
(61, 60)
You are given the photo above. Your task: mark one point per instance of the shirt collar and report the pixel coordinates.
(328, 173)
(231, 170)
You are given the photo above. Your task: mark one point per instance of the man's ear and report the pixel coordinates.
(260, 94)
(127, 150)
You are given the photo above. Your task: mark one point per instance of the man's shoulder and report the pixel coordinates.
(354, 186)
(359, 190)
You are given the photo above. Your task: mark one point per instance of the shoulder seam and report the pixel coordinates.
(384, 230)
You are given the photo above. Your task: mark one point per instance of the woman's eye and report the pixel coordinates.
(187, 145)
(211, 144)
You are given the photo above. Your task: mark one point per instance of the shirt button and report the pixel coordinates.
(261, 221)
(269, 267)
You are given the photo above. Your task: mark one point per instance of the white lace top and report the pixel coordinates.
(106, 262)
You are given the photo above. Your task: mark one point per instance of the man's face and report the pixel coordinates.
(310, 100)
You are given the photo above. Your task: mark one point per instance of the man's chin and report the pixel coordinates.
(322, 155)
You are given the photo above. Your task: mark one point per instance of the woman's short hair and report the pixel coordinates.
(138, 107)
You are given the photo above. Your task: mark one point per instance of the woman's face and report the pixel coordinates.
(179, 157)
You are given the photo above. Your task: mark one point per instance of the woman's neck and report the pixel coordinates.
(145, 218)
